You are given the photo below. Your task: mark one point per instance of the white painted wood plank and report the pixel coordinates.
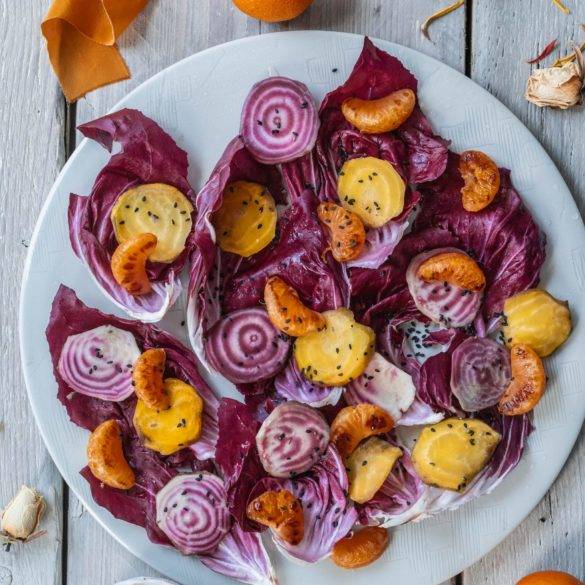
(504, 36)
(167, 32)
(31, 154)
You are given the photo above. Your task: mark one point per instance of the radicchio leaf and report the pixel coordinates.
(328, 513)
(148, 155)
(242, 556)
(237, 457)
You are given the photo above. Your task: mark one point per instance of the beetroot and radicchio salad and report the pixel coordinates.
(134, 231)
(372, 296)
(369, 292)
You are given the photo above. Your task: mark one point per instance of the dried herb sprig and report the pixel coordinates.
(561, 6)
(424, 29)
(568, 58)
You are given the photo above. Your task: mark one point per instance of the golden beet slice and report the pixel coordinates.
(360, 548)
(528, 382)
(368, 468)
(158, 209)
(129, 263)
(353, 424)
(286, 310)
(535, 318)
(246, 221)
(372, 189)
(450, 453)
(105, 457)
(170, 430)
(147, 378)
(348, 235)
(337, 353)
(482, 180)
(456, 268)
(280, 511)
(380, 115)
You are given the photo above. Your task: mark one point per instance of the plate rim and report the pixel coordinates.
(88, 503)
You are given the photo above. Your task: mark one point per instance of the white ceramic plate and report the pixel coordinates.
(198, 102)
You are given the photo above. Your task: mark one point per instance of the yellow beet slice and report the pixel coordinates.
(158, 209)
(372, 189)
(451, 453)
(338, 353)
(535, 318)
(168, 431)
(246, 221)
(369, 466)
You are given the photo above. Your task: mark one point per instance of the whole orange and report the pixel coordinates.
(549, 578)
(273, 10)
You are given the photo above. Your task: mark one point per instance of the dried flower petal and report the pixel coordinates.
(568, 58)
(22, 515)
(556, 87)
(544, 53)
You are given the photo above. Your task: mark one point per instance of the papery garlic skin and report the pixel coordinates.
(146, 581)
(556, 87)
(22, 515)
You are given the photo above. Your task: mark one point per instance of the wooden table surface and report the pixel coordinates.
(489, 40)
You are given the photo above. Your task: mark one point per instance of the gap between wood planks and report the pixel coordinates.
(69, 141)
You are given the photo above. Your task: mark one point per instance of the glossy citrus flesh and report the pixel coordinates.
(105, 457)
(456, 268)
(281, 511)
(482, 180)
(380, 115)
(372, 189)
(286, 310)
(528, 382)
(449, 454)
(346, 229)
(353, 424)
(158, 209)
(178, 426)
(147, 379)
(337, 353)
(361, 548)
(129, 263)
(246, 221)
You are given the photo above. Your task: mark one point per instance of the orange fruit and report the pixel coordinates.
(549, 578)
(273, 10)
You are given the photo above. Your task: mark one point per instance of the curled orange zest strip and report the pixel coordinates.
(81, 37)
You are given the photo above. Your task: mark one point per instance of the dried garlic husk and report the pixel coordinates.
(146, 581)
(557, 87)
(22, 515)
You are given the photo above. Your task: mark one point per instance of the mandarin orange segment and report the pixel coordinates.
(286, 310)
(348, 235)
(147, 378)
(353, 424)
(129, 263)
(455, 268)
(361, 548)
(380, 115)
(482, 180)
(106, 458)
(280, 511)
(528, 382)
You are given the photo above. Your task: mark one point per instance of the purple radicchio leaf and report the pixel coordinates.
(328, 512)
(148, 155)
